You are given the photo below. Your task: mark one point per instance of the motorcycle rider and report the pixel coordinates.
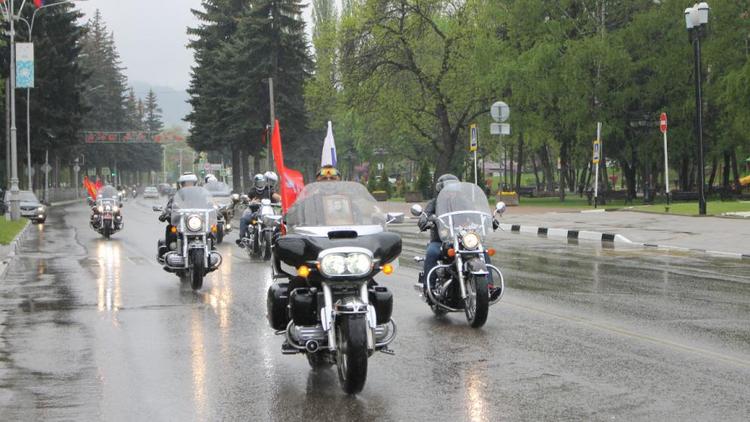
(261, 190)
(434, 248)
(188, 179)
(328, 173)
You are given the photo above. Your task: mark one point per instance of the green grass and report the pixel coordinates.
(10, 229)
(691, 208)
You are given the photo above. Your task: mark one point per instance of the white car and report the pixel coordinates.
(151, 192)
(30, 206)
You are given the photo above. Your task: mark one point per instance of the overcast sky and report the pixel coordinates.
(151, 37)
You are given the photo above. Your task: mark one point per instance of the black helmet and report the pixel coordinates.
(443, 180)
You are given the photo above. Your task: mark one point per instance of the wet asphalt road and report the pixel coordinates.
(94, 330)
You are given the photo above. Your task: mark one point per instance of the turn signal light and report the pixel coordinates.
(303, 271)
(387, 269)
(214, 229)
(254, 222)
(491, 251)
(173, 229)
(451, 252)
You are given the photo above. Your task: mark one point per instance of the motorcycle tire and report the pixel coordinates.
(477, 304)
(351, 356)
(107, 232)
(197, 270)
(267, 246)
(219, 236)
(256, 243)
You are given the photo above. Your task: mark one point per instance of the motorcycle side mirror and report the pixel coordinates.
(157, 209)
(416, 210)
(394, 217)
(500, 208)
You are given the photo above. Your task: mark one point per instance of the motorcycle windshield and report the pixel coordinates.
(192, 198)
(107, 192)
(462, 207)
(335, 204)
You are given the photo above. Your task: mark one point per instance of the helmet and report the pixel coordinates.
(272, 179)
(328, 173)
(444, 180)
(187, 178)
(210, 178)
(260, 181)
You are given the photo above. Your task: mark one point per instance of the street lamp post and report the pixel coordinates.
(696, 21)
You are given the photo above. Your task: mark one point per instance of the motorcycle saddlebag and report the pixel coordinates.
(303, 304)
(382, 299)
(278, 314)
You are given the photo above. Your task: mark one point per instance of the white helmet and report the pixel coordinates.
(210, 178)
(187, 178)
(260, 181)
(272, 179)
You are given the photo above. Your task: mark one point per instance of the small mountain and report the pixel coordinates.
(173, 102)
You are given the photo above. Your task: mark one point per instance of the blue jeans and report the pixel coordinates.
(244, 222)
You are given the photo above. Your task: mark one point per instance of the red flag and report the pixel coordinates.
(38, 3)
(292, 181)
(89, 187)
(98, 184)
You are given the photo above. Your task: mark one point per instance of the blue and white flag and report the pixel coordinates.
(24, 65)
(329, 149)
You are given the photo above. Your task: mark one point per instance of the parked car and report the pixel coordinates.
(31, 208)
(151, 192)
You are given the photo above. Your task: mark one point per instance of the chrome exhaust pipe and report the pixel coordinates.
(312, 346)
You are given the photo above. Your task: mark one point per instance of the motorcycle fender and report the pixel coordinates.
(477, 266)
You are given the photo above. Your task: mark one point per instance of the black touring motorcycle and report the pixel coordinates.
(463, 280)
(331, 309)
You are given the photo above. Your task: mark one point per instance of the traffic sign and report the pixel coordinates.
(46, 168)
(76, 168)
(500, 112)
(500, 129)
(474, 142)
(663, 123)
(597, 151)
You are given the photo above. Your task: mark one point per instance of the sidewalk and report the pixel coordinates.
(724, 235)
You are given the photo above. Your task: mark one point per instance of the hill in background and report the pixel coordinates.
(173, 102)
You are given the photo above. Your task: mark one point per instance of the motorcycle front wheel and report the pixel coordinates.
(197, 269)
(220, 235)
(477, 303)
(267, 245)
(351, 356)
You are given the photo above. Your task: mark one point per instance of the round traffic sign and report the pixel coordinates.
(500, 112)
(663, 123)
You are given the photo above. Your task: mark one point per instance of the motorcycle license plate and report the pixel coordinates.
(107, 217)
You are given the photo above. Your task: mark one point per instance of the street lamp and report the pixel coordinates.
(696, 21)
(9, 13)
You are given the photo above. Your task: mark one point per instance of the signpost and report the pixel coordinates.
(473, 147)
(595, 160)
(500, 113)
(663, 128)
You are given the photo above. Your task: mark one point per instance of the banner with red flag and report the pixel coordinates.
(291, 181)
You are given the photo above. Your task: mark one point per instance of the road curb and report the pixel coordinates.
(611, 239)
(5, 263)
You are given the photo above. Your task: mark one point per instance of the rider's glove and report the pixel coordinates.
(163, 218)
(424, 223)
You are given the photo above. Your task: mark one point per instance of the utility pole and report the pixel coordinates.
(273, 121)
(15, 210)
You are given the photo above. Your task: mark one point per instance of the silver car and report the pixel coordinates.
(31, 208)
(151, 192)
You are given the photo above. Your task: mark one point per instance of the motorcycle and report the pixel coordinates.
(330, 308)
(263, 229)
(463, 280)
(134, 192)
(189, 251)
(106, 213)
(224, 203)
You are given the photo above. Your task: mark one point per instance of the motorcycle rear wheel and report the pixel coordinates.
(197, 269)
(351, 356)
(220, 235)
(477, 304)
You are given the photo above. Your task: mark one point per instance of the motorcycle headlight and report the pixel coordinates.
(471, 241)
(342, 264)
(333, 265)
(107, 208)
(100, 208)
(358, 263)
(115, 208)
(194, 223)
(235, 197)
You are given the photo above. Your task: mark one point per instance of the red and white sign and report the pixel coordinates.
(663, 123)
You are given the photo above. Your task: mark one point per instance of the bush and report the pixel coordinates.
(424, 181)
